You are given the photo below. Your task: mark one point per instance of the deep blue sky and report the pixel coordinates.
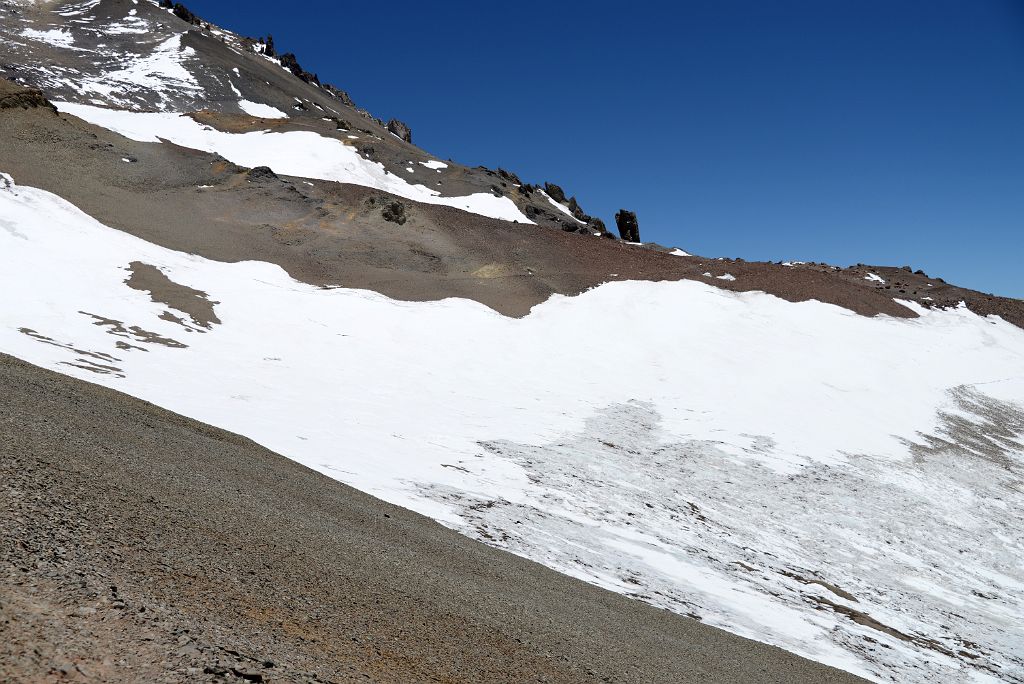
(875, 131)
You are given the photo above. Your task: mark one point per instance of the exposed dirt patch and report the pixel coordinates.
(195, 304)
(134, 332)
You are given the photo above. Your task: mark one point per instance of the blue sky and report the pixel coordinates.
(874, 131)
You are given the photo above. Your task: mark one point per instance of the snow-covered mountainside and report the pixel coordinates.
(840, 479)
(843, 486)
(135, 55)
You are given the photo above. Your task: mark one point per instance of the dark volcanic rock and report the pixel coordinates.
(400, 129)
(577, 210)
(509, 176)
(261, 173)
(289, 62)
(184, 14)
(596, 225)
(629, 229)
(394, 212)
(556, 193)
(339, 94)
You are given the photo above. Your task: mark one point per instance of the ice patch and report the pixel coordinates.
(874, 278)
(434, 164)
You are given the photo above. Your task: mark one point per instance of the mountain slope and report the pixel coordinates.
(823, 459)
(679, 471)
(160, 547)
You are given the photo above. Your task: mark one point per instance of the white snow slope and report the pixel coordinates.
(293, 153)
(845, 487)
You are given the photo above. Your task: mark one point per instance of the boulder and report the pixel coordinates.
(629, 229)
(261, 173)
(400, 129)
(556, 193)
(394, 212)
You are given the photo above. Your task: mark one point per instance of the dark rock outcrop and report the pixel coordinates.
(261, 173)
(509, 176)
(400, 129)
(184, 14)
(556, 193)
(629, 229)
(14, 96)
(339, 94)
(291, 63)
(577, 210)
(394, 212)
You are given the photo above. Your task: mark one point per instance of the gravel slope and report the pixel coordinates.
(142, 546)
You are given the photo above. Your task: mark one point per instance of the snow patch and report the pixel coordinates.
(262, 111)
(294, 153)
(56, 37)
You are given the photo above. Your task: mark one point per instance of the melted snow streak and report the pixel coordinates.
(875, 566)
(847, 488)
(123, 61)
